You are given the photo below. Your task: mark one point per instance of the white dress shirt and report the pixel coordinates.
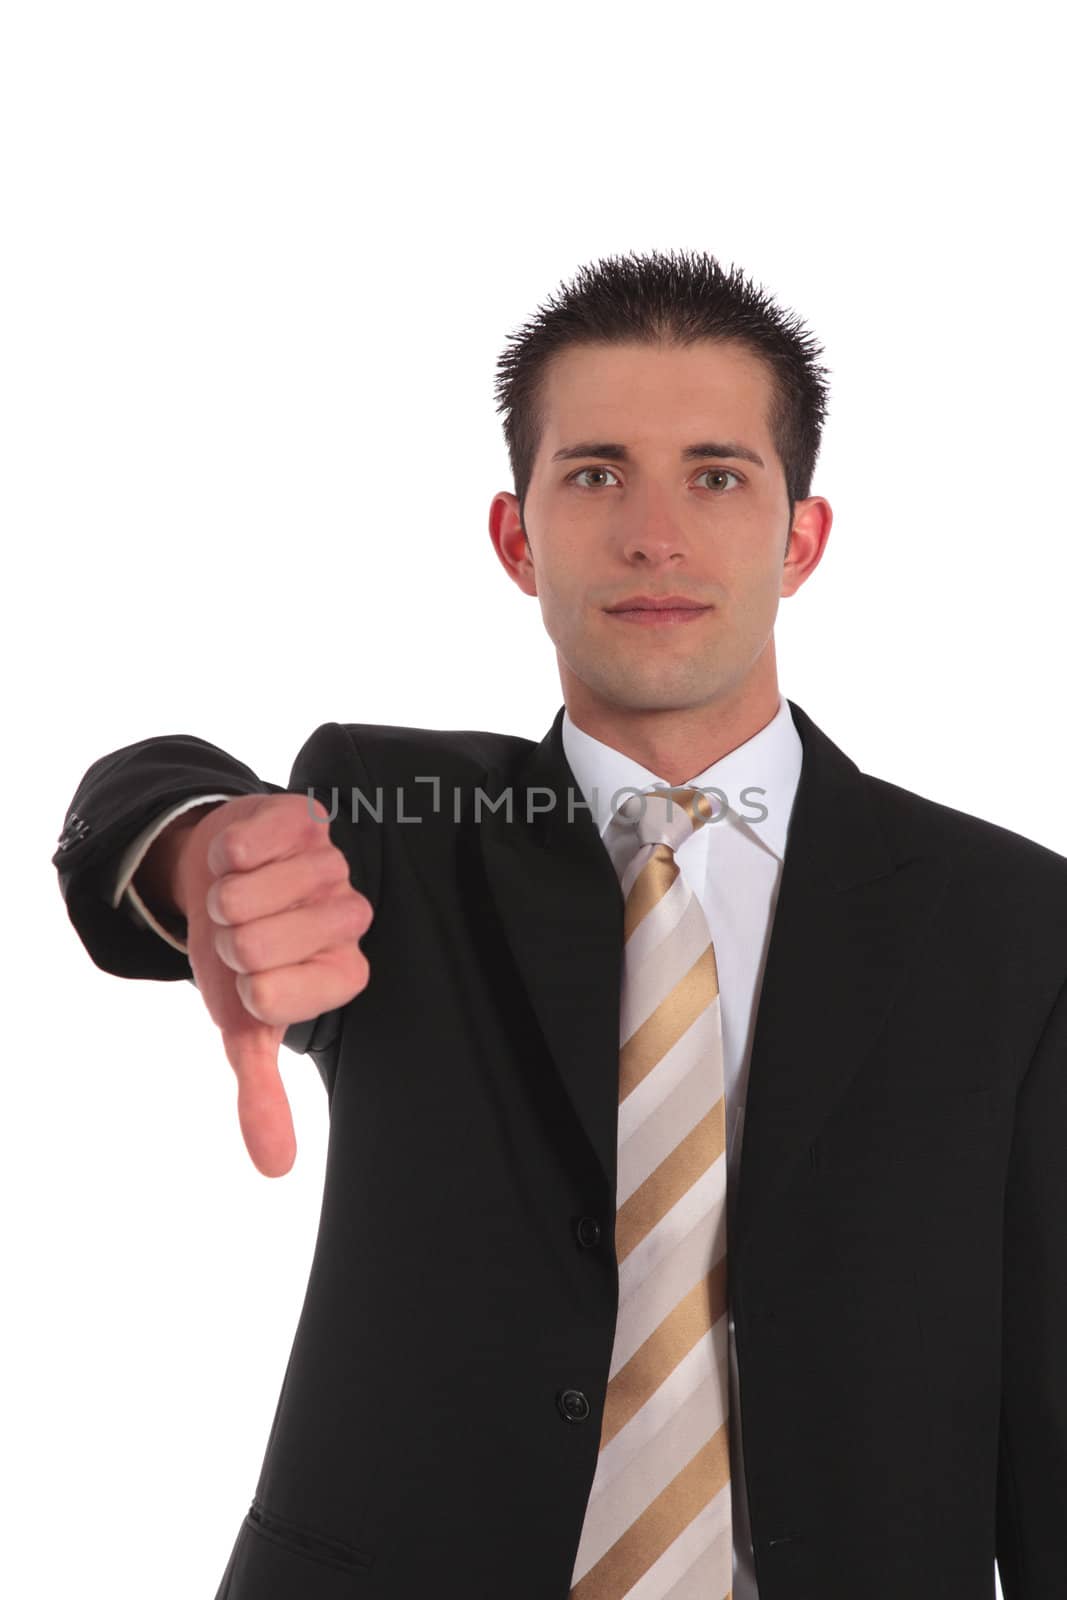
(135, 853)
(733, 865)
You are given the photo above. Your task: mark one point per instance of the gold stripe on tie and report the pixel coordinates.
(660, 1523)
(665, 1442)
(652, 884)
(689, 997)
(665, 1187)
(661, 1352)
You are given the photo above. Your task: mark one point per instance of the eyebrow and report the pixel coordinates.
(710, 450)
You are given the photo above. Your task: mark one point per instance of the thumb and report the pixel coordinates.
(262, 1105)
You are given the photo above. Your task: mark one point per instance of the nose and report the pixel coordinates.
(655, 534)
(656, 544)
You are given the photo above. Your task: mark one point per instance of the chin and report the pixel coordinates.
(656, 694)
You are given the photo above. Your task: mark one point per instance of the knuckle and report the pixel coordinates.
(245, 946)
(337, 864)
(362, 969)
(226, 894)
(219, 854)
(356, 969)
(253, 990)
(256, 993)
(313, 824)
(345, 969)
(236, 845)
(353, 917)
(357, 898)
(326, 866)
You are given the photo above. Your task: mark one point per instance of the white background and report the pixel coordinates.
(259, 263)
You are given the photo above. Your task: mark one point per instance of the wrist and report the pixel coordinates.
(165, 879)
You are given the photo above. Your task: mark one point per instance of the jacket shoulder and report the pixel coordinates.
(393, 753)
(918, 824)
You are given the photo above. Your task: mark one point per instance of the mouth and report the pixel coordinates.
(658, 610)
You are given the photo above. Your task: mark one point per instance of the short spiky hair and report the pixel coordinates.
(678, 299)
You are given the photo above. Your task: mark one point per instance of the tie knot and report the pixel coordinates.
(664, 816)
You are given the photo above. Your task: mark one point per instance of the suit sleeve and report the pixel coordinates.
(122, 797)
(125, 891)
(1031, 1520)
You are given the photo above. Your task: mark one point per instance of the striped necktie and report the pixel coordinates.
(658, 1523)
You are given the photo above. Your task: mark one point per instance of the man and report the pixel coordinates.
(557, 1339)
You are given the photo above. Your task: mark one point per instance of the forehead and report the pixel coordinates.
(635, 393)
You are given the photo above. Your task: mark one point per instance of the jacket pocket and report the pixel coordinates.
(315, 1546)
(277, 1559)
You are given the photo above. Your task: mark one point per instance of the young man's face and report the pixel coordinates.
(602, 531)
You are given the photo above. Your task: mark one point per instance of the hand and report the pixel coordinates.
(273, 935)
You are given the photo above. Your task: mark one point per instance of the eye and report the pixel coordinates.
(720, 472)
(580, 473)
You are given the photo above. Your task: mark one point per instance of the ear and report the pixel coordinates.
(812, 519)
(510, 542)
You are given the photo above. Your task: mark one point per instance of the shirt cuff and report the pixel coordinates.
(131, 858)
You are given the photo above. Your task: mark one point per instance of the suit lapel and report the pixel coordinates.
(846, 928)
(561, 907)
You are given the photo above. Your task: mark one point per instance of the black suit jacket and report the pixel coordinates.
(898, 1263)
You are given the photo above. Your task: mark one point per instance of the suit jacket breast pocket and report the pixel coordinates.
(275, 1559)
(913, 1128)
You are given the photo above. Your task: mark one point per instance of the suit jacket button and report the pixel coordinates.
(588, 1231)
(573, 1405)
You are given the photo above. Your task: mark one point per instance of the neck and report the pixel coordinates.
(678, 744)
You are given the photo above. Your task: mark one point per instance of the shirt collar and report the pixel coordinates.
(760, 774)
